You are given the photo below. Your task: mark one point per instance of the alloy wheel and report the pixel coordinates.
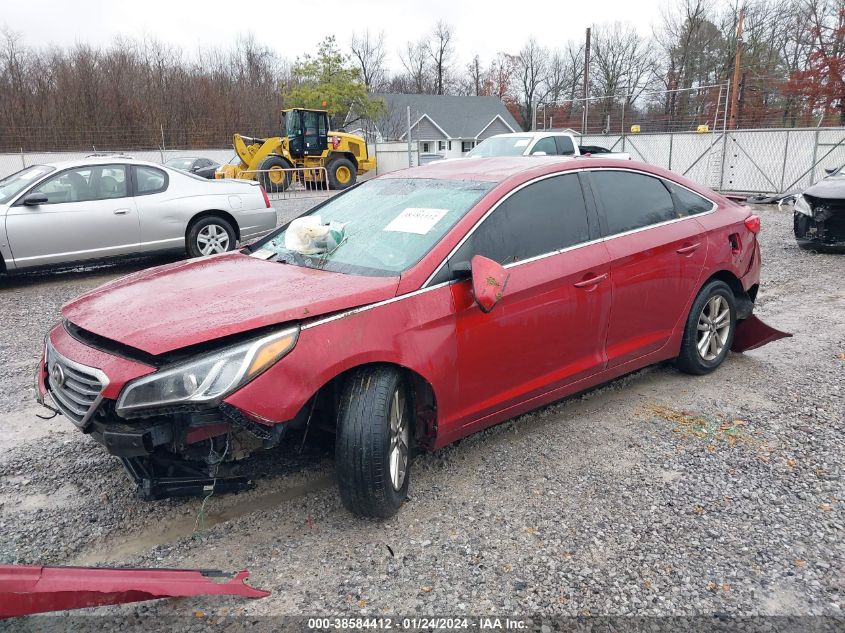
(212, 239)
(714, 326)
(399, 439)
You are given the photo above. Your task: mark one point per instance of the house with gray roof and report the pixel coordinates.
(445, 125)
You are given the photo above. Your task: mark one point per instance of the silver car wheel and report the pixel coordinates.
(714, 326)
(399, 439)
(212, 239)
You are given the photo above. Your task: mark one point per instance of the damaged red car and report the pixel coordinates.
(403, 314)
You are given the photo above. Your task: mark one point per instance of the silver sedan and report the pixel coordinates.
(102, 207)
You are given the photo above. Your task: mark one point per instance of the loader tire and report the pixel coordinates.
(342, 173)
(274, 180)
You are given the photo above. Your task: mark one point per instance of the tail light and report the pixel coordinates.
(752, 223)
(267, 201)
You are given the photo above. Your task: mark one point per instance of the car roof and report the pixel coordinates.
(501, 168)
(532, 134)
(98, 160)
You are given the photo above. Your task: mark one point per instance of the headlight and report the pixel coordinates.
(802, 206)
(209, 378)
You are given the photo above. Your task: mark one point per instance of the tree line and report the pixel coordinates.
(146, 93)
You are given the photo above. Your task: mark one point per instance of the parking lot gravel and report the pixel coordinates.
(656, 494)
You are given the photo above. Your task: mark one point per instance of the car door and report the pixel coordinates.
(89, 214)
(549, 328)
(163, 215)
(657, 259)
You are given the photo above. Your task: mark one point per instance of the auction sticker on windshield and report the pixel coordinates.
(416, 220)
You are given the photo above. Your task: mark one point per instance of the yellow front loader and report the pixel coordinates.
(308, 143)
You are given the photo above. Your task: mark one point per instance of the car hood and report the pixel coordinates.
(170, 307)
(832, 188)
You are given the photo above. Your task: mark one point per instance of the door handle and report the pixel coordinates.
(121, 211)
(689, 248)
(592, 281)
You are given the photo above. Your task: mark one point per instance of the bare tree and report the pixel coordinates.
(414, 59)
(532, 72)
(368, 51)
(441, 50)
(474, 83)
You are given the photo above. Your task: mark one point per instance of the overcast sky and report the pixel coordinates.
(293, 28)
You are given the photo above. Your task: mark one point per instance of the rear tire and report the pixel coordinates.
(210, 235)
(278, 181)
(373, 443)
(342, 173)
(710, 328)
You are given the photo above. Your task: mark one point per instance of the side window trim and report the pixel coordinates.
(444, 263)
(603, 219)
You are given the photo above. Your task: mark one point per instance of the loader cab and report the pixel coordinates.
(307, 132)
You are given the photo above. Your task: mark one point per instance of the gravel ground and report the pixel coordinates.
(657, 494)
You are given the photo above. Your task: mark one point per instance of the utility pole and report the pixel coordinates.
(586, 83)
(732, 123)
(410, 160)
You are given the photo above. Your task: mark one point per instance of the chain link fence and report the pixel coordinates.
(751, 161)
(747, 161)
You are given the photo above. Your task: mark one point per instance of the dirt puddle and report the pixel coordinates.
(184, 527)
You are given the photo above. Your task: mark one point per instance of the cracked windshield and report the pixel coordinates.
(381, 227)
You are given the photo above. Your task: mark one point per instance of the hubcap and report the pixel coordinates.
(276, 175)
(399, 437)
(343, 174)
(714, 326)
(213, 239)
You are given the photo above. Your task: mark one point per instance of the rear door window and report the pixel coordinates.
(543, 217)
(631, 200)
(688, 202)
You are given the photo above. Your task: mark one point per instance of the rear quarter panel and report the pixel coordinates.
(165, 216)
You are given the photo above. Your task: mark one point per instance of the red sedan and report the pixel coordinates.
(404, 314)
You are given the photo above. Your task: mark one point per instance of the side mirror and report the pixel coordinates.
(830, 170)
(195, 168)
(34, 199)
(489, 279)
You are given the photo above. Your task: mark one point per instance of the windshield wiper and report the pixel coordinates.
(325, 256)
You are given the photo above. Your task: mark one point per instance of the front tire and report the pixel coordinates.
(272, 176)
(710, 328)
(373, 444)
(210, 235)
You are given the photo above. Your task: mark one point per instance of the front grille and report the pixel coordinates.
(76, 389)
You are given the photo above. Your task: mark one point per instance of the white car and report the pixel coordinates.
(106, 206)
(539, 144)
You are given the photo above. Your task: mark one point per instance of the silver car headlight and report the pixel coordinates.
(802, 206)
(208, 378)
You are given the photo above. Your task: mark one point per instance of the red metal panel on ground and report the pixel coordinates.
(27, 589)
(752, 333)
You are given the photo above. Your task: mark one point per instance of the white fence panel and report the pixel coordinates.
(394, 156)
(772, 160)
